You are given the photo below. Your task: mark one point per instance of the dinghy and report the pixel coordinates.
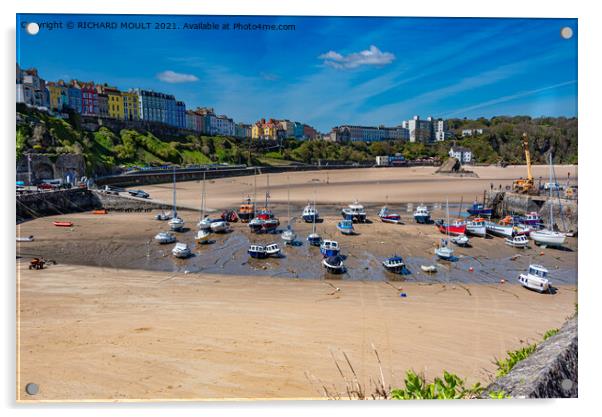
(272, 249)
(181, 250)
(162, 216)
(518, 241)
(354, 212)
(288, 235)
(165, 237)
(334, 264)
(422, 215)
(346, 227)
(388, 217)
(460, 240)
(395, 264)
(535, 279)
(428, 268)
(63, 224)
(25, 238)
(329, 248)
(257, 251)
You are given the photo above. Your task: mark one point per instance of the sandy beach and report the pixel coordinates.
(119, 318)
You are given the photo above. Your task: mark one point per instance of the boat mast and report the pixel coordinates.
(313, 226)
(550, 195)
(288, 199)
(267, 192)
(175, 213)
(203, 198)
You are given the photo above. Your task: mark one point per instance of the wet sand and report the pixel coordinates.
(111, 334)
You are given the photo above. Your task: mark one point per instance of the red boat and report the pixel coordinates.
(456, 228)
(63, 224)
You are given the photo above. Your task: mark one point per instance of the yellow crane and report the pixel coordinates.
(525, 186)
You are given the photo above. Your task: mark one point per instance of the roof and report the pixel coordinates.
(460, 149)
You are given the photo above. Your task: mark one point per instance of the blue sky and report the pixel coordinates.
(329, 70)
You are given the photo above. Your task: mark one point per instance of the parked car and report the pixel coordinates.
(138, 193)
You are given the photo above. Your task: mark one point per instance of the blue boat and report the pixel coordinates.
(334, 264)
(310, 214)
(346, 227)
(258, 251)
(314, 239)
(329, 248)
(354, 212)
(422, 215)
(479, 209)
(395, 264)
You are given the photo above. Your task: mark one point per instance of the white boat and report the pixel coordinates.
(219, 226)
(272, 249)
(354, 212)
(163, 216)
(499, 229)
(25, 239)
(428, 268)
(460, 240)
(314, 238)
(165, 237)
(395, 264)
(476, 227)
(202, 236)
(334, 264)
(310, 214)
(288, 235)
(444, 251)
(204, 223)
(257, 251)
(181, 250)
(536, 278)
(329, 248)
(518, 241)
(546, 237)
(387, 216)
(176, 223)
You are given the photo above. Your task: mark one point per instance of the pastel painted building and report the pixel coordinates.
(114, 101)
(195, 121)
(74, 96)
(156, 107)
(89, 99)
(180, 115)
(131, 109)
(57, 95)
(103, 104)
(31, 89)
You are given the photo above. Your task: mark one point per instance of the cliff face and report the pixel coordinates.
(550, 372)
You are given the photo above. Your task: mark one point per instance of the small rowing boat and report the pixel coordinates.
(428, 268)
(25, 239)
(63, 224)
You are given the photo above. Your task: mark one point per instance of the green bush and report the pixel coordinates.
(450, 387)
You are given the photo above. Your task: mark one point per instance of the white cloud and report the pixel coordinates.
(176, 77)
(371, 56)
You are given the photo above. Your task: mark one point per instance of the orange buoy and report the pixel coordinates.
(471, 269)
(541, 253)
(101, 211)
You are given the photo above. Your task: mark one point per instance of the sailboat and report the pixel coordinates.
(444, 251)
(204, 222)
(289, 234)
(176, 223)
(314, 238)
(548, 236)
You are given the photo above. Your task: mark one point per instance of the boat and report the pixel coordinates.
(310, 214)
(314, 238)
(162, 216)
(460, 240)
(100, 211)
(395, 264)
(444, 251)
(329, 248)
(246, 211)
(165, 237)
(289, 234)
(181, 250)
(428, 268)
(25, 238)
(202, 236)
(500, 230)
(205, 223)
(219, 226)
(536, 279)
(478, 209)
(476, 227)
(257, 251)
(272, 249)
(176, 223)
(422, 214)
(456, 228)
(256, 225)
(354, 212)
(346, 227)
(549, 236)
(518, 241)
(270, 225)
(531, 219)
(387, 217)
(334, 264)
(63, 224)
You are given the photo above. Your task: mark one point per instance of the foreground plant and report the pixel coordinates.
(515, 356)
(450, 387)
